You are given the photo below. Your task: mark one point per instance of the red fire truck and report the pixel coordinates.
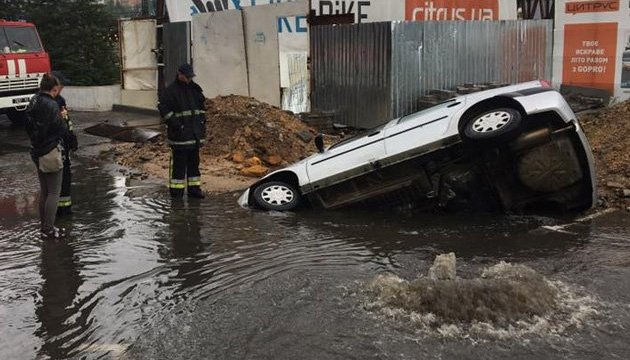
(23, 62)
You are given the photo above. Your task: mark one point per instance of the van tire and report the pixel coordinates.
(276, 195)
(494, 126)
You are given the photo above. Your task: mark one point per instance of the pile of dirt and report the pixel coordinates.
(239, 125)
(608, 132)
(245, 139)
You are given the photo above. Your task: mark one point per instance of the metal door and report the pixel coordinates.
(176, 42)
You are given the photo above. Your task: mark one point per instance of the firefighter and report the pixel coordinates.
(70, 144)
(181, 106)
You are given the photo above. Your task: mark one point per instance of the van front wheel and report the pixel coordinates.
(276, 195)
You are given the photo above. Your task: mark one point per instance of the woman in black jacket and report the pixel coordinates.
(46, 129)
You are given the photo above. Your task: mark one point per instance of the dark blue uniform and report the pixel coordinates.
(69, 144)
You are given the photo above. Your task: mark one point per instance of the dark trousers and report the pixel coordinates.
(50, 185)
(184, 170)
(65, 199)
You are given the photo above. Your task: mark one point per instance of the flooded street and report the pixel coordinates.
(142, 276)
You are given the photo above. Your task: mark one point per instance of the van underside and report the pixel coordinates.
(543, 169)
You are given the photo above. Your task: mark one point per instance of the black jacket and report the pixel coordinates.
(70, 141)
(44, 126)
(182, 108)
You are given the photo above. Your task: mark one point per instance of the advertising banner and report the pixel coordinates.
(366, 10)
(592, 47)
(422, 10)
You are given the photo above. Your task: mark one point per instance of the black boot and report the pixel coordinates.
(195, 192)
(177, 193)
(65, 210)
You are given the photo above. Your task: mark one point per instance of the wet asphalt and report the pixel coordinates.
(144, 277)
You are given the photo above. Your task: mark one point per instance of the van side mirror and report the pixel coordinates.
(319, 142)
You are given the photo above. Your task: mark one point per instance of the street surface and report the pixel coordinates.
(145, 277)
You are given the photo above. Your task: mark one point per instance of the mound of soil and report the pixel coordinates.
(246, 126)
(245, 138)
(608, 131)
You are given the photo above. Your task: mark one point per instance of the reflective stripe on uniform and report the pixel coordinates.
(169, 115)
(188, 142)
(187, 113)
(177, 184)
(194, 181)
(65, 201)
(183, 113)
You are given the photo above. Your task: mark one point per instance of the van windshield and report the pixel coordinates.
(19, 39)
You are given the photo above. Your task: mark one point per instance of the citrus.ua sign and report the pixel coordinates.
(424, 10)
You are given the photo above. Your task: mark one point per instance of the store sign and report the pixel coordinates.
(592, 46)
(366, 10)
(427, 10)
(580, 7)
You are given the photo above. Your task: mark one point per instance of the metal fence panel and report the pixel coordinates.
(368, 73)
(445, 54)
(351, 72)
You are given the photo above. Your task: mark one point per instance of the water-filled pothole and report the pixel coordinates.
(505, 300)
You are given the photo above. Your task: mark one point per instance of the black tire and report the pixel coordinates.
(18, 118)
(276, 195)
(496, 125)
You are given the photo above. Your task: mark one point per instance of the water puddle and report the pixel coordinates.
(506, 301)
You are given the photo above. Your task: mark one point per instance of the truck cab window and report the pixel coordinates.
(4, 42)
(22, 39)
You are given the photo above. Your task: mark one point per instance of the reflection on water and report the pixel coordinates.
(135, 259)
(61, 280)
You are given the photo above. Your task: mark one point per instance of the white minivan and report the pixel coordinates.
(517, 148)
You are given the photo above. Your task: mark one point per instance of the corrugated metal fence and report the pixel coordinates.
(351, 67)
(367, 76)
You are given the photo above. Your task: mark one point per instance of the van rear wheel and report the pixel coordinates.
(496, 125)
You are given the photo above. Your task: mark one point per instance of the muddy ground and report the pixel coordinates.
(608, 131)
(248, 138)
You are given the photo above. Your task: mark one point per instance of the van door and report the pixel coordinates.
(414, 133)
(346, 159)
